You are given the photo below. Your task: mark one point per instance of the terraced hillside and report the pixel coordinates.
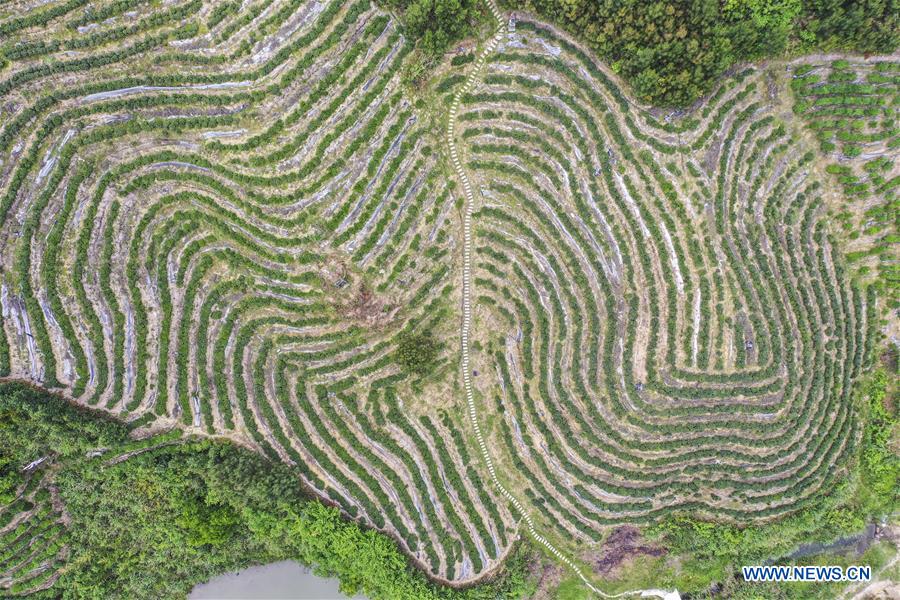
(238, 235)
(34, 538)
(235, 217)
(673, 325)
(851, 106)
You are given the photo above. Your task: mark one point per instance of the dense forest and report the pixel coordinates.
(435, 24)
(671, 52)
(152, 518)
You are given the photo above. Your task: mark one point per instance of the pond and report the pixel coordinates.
(284, 580)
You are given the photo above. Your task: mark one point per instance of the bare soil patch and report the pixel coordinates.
(620, 547)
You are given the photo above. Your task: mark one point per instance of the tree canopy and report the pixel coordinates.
(417, 353)
(671, 51)
(153, 523)
(437, 23)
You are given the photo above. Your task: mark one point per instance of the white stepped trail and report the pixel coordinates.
(467, 317)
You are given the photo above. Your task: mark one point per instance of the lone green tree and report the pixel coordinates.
(417, 353)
